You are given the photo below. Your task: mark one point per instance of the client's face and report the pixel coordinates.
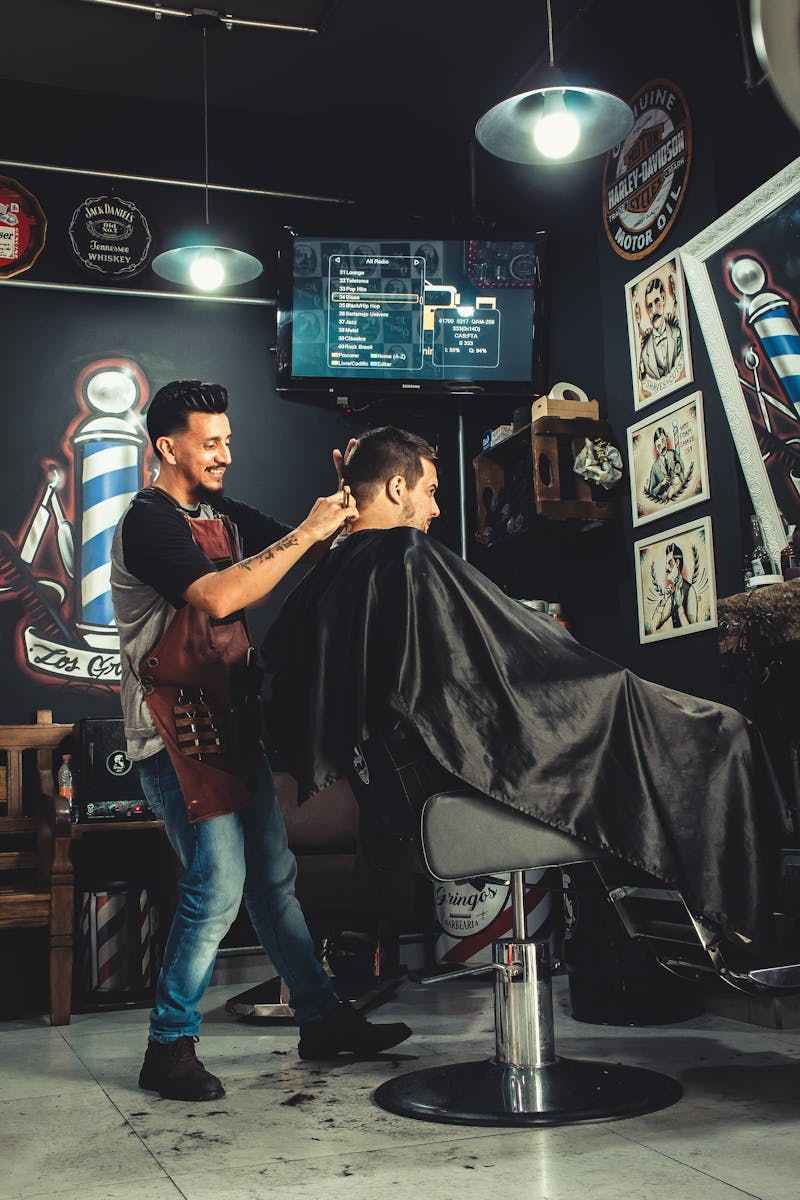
(420, 507)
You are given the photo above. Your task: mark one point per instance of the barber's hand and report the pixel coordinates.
(329, 515)
(339, 459)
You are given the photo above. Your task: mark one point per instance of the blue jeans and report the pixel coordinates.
(238, 854)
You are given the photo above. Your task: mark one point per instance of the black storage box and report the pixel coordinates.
(107, 784)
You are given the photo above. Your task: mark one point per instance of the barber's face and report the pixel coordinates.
(201, 453)
(420, 507)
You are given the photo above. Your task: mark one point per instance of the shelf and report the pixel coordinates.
(531, 473)
(90, 827)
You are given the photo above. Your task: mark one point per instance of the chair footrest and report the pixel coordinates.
(777, 977)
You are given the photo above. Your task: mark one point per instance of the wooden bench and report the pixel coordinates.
(36, 877)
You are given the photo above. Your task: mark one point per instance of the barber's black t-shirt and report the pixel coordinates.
(159, 550)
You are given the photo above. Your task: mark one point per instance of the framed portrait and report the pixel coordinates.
(658, 331)
(675, 584)
(743, 273)
(667, 464)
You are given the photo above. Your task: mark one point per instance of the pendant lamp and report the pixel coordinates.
(556, 121)
(202, 262)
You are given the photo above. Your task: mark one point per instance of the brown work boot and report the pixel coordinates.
(174, 1071)
(346, 1030)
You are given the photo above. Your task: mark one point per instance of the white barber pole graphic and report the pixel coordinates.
(148, 937)
(119, 934)
(107, 477)
(59, 565)
(107, 918)
(470, 916)
(770, 316)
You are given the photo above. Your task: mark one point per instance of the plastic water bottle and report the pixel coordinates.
(66, 783)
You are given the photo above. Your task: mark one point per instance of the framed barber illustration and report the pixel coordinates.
(675, 584)
(743, 272)
(667, 464)
(658, 331)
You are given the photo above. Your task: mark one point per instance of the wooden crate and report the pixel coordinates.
(555, 496)
(560, 493)
(565, 409)
(494, 469)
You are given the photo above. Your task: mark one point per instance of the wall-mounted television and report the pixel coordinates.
(407, 314)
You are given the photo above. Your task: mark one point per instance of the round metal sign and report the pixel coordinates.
(646, 174)
(23, 226)
(110, 236)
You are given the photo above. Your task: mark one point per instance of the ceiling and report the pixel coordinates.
(422, 64)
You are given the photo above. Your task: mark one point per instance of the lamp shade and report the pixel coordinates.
(207, 266)
(509, 130)
(776, 37)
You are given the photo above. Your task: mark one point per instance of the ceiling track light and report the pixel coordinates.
(158, 11)
(205, 263)
(554, 122)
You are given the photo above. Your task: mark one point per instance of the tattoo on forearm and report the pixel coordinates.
(270, 552)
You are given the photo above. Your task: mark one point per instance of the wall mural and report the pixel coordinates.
(744, 276)
(58, 565)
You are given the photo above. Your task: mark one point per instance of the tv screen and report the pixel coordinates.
(394, 314)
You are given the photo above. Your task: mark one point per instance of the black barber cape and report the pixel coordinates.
(506, 700)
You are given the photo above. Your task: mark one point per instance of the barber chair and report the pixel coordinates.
(461, 834)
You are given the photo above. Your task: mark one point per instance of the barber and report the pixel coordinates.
(186, 562)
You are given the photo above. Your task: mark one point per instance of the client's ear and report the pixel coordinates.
(395, 486)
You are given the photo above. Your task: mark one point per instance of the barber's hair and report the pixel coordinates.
(170, 407)
(674, 549)
(660, 432)
(381, 453)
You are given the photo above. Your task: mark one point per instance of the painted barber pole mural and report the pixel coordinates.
(744, 276)
(58, 565)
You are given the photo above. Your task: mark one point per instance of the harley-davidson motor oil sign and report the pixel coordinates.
(646, 174)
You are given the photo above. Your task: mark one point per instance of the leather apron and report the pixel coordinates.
(194, 680)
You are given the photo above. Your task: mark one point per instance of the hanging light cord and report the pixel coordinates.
(205, 116)
(550, 30)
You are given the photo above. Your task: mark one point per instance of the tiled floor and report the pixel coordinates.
(74, 1125)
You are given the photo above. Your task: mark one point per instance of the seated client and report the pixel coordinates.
(507, 701)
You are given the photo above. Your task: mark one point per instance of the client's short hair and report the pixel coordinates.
(170, 407)
(380, 453)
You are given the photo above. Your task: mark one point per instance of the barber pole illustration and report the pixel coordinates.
(87, 957)
(59, 565)
(107, 477)
(119, 934)
(470, 916)
(148, 940)
(106, 918)
(770, 316)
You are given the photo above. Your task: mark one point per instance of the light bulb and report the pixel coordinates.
(206, 271)
(557, 132)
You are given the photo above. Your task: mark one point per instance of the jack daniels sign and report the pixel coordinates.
(110, 236)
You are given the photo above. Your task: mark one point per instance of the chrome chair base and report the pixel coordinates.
(563, 1092)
